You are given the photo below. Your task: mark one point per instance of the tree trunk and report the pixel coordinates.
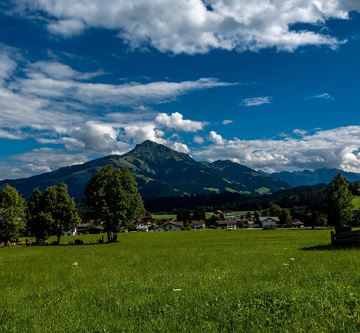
(58, 238)
(109, 235)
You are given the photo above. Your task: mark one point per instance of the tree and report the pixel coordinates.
(59, 209)
(39, 222)
(12, 214)
(339, 205)
(285, 216)
(199, 214)
(113, 198)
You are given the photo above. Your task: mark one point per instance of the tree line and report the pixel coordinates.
(112, 200)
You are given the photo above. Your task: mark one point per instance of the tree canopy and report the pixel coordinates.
(339, 205)
(12, 214)
(113, 198)
(59, 210)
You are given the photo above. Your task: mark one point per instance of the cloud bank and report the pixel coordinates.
(197, 26)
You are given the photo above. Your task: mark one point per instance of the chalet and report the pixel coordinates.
(171, 226)
(228, 224)
(144, 223)
(297, 224)
(200, 224)
(266, 221)
(88, 228)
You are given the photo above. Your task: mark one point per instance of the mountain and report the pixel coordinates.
(160, 171)
(307, 177)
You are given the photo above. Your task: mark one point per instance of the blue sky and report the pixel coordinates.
(272, 85)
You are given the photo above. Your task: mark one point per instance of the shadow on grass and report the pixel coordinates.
(328, 247)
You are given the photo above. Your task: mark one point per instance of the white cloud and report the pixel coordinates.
(325, 96)
(334, 148)
(198, 139)
(227, 122)
(38, 161)
(141, 132)
(133, 94)
(256, 101)
(300, 132)
(187, 26)
(58, 71)
(216, 138)
(67, 27)
(180, 147)
(176, 121)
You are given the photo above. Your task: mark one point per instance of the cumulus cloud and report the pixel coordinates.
(180, 147)
(198, 139)
(334, 148)
(256, 101)
(216, 138)
(176, 121)
(196, 26)
(227, 122)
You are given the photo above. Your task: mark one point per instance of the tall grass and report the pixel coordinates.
(196, 281)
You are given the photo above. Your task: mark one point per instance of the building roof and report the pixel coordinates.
(198, 222)
(177, 223)
(264, 218)
(225, 222)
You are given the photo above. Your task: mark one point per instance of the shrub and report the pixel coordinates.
(270, 227)
(78, 242)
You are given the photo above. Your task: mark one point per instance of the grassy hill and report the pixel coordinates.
(195, 281)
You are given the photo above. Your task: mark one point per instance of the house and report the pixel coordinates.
(170, 226)
(70, 232)
(227, 224)
(253, 224)
(267, 221)
(297, 224)
(143, 227)
(88, 228)
(200, 224)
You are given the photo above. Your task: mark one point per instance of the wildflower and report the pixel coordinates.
(75, 264)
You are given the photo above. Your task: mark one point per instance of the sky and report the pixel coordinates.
(271, 84)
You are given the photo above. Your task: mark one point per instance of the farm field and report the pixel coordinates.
(191, 281)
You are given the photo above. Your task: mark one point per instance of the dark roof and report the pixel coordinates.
(226, 222)
(177, 223)
(200, 222)
(264, 218)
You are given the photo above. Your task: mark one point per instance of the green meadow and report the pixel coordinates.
(190, 281)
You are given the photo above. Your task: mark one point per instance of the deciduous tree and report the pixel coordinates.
(113, 198)
(12, 214)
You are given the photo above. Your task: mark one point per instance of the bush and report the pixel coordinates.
(270, 227)
(78, 242)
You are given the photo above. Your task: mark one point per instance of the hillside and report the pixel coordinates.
(160, 171)
(308, 178)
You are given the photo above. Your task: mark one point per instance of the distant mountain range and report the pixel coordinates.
(160, 171)
(307, 177)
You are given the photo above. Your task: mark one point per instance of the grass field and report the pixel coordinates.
(356, 202)
(195, 281)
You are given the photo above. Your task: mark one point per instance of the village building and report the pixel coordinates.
(268, 221)
(170, 226)
(227, 224)
(196, 225)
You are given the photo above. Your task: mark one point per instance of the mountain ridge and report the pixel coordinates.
(159, 171)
